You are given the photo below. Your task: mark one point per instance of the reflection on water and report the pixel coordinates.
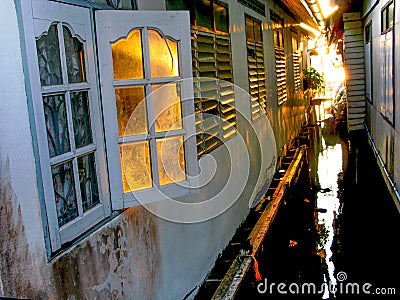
(339, 219)
(331, 157)
(330, 171)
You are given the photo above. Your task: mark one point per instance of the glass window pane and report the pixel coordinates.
(276, 38)
(167, 107)
(56, 124)
(75, 57)
(177, 5)
(203, 14)
(81, 119)
(390, 15)
(249, 29)
(135, 165)
(48, 52)
(171, 160)
(163, 56)
(384, 20)
(221, 18)
(64, 192)
(88, 182)
(131, 111)
(127, 57)
(257, 31)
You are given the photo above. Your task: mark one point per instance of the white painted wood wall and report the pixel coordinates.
(355, 70)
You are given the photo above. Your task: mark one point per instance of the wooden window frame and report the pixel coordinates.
(38, 16)
(110, 31)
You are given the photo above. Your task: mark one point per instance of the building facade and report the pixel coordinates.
(135, 137)
(371, 39)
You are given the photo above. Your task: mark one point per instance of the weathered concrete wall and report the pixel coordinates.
(21, 230)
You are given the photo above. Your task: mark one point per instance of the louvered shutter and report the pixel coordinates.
(257, 86)
(213, 90)
(280, 65)
(296, 69)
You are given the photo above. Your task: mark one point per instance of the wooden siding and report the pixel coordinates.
(355, 70)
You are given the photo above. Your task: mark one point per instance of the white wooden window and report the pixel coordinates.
(68, 120)
(148, 105)
(151, 151)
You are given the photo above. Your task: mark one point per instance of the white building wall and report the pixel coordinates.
(136, 255)
(385, 135)
(22, 249)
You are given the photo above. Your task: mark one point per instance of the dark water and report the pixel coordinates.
(336, 229)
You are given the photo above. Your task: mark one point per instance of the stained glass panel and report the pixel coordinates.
(88, 182)
(56, 124)
(171, 160)
(81, 119)
(127, 57)
(163, 56)
(48, 52)
(131, 111)
(75, 57)
(135, 165)
(167, 107)
(64, 192)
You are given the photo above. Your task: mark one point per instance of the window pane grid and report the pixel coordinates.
(65, 195)
(151, 113)
(66, 107)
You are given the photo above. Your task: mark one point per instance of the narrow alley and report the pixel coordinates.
(334, 230)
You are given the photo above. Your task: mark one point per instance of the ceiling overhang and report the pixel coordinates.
(306, 11)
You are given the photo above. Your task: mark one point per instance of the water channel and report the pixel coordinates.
(335, 231)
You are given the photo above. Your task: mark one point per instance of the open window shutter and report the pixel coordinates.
(67, 120)
(296, 70)
(280, 61)
(214, 92)
(140, 78)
